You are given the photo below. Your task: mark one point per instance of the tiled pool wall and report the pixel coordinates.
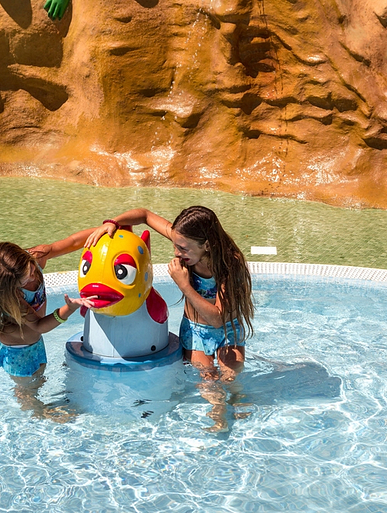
(280, 270)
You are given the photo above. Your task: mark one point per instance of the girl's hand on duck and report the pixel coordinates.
(178, 273)
(92, 239)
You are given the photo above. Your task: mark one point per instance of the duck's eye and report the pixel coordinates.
(125, 269)
(85, 264)
(126, 273)
(84, 269)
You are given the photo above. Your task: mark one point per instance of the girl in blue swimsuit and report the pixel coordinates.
(23, 317)
(212, 274)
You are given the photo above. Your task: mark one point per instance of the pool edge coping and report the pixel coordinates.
(256, 268)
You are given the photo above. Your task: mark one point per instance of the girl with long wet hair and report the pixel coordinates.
(212, 274)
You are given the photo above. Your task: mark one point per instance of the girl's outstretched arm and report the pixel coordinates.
(131, 217)
(44, 252)
(33, 326)
(60, 315)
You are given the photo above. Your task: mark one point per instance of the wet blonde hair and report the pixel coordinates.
(14, 266)
(227, 263)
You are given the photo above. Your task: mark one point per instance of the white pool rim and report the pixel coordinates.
(257, 268)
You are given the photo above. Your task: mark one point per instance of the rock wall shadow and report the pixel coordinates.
(20, 11)
(148, 3)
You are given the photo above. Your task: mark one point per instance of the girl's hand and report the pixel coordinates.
(92, 239)
(75, 303)
(179, 274)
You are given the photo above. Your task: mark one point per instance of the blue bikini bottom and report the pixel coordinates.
(23, 361)
(201, 337)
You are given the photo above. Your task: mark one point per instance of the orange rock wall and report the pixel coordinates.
(267, 97)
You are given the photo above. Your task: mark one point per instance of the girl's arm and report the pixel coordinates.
(210, 313)
(49, 322)
(44, 252)
(132, 217)
(34, 326)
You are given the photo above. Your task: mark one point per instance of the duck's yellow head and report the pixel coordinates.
(119, 271)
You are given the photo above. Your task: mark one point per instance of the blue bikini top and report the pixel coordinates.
(206, 287)
(35, 298)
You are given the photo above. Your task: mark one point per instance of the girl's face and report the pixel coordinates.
(188, 250)
(29, 276)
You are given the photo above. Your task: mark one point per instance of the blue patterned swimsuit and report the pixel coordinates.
(25, 360)
(35, 298)
(202, 337)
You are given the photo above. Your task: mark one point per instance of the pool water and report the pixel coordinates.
(303, 427)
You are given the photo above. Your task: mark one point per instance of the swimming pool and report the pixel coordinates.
(306, 419)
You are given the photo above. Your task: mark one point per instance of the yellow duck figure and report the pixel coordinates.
(130, 318)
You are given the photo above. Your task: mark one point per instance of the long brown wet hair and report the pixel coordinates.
(227, 264)
(14, 265)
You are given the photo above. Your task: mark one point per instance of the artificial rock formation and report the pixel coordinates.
(267, 97)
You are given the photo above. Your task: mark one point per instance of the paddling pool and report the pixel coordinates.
(303, 426)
